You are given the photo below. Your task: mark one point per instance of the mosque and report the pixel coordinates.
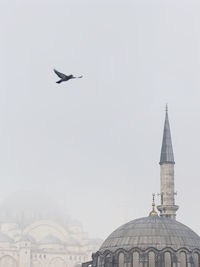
(35, 233)
(157, 240)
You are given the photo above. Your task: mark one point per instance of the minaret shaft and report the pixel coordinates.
(167, 191)
(167, 184)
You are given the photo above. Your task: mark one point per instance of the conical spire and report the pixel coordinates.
(167, 155)
(167, 207)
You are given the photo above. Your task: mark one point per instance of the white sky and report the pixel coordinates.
(94, 143)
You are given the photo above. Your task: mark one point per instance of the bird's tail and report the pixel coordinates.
(80, 76)
(59, 81)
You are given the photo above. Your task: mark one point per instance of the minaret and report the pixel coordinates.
(167, 208)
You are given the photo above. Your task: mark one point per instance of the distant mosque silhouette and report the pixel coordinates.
(156, 240)
(34, 232)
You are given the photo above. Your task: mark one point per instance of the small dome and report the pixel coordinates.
(153, 231)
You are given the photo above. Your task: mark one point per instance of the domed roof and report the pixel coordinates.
(27, 207)
(153, 231)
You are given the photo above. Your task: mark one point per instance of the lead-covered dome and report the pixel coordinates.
(152, 232)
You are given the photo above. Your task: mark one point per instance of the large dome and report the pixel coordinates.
(27, 207)
(153, 231)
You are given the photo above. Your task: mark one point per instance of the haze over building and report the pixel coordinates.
(155, 240)
(34, 232)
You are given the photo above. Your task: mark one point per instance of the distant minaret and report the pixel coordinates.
(167, 208)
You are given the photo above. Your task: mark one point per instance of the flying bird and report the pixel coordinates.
(64, 78)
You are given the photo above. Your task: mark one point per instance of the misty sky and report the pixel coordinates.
(93, 144)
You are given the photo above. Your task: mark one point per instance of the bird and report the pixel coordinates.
(65, 77)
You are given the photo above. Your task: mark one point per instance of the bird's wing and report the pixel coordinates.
(61, 75)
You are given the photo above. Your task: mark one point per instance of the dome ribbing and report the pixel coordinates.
(153, 231)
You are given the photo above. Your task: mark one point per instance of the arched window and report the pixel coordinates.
(121, 260)
(108, 260)
(151, 259)
(168, 260)
(8, 262)
(99, 261)
(183, 262)
(196, 260)
(136, 259)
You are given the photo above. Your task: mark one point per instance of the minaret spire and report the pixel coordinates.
(167, 207)
(167, 155)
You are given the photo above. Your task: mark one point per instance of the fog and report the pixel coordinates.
(93, 144)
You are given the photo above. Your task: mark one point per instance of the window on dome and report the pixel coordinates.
(136, 259)
(183, 262)
(168, 261)
(196, 260)
(108, 261)
(121, 259)
(99, 261)
(151, 259)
